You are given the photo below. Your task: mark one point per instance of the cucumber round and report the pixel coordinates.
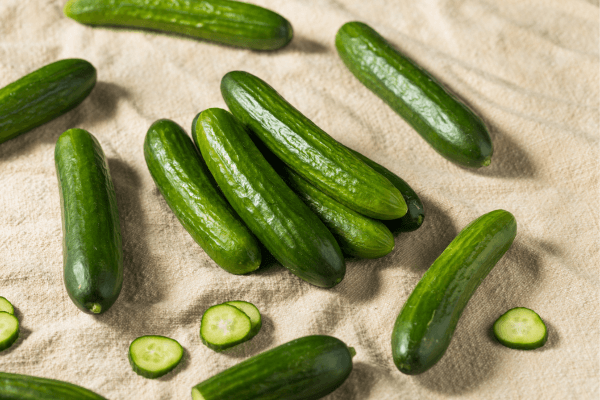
(289, 230)
(191, 192)
(224, 326)
(154, 356)
(307, 368)
(44, 95)
(425, 326)
(233, 23)
(252, 312)
(26, 387)
(6, 306)
(521, 328)
(448, 125)
(9, 330)
(92, 252)
(308, 150)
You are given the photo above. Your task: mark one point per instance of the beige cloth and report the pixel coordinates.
(530, 69)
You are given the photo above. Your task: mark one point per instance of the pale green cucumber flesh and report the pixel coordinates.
(251, 311)
(521, 328)
(6, 306)
(224, 326)
(154, 356)
(9, 330)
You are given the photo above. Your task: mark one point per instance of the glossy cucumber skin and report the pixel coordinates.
(191, 192)
(25, 387)
(308, 150)
(92, 252)
(424, 328)
(448, 125)
(44, 95)
(228, 22)
(414, 217)
(292, 233)
(306, 368)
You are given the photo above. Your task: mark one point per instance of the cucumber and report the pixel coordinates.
(415, 215)
(26, 387)
(252, 312)
(9, 330)
(92, 253)
(154, 356)
(306, 368)
(281, 221)
(6, 306)
(233, 23)
(448, 125)
(191, 192)
(521, 328)
(308, 150)
(425, 326)
(44, 95)
(224, 326)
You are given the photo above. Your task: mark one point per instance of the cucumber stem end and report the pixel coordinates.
(94, 308)
(352, 351)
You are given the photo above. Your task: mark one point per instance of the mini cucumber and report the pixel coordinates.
(252, 312)
(228, 22)
(191, 192)
(307, 368)
(6, 306)
(425, 326)
(448, 125)
(154, 356)
(43, 95)
(415, 215)
(308, 150)
(521, 328)
(9, 330)
(26, 387)
(92, 251)
(224, 326)
(292, 233)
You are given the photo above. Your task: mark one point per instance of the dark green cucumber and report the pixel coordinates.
(425, 326)
(448, 125)
(44, 95)
(304, 369)
(92, 253)
(26, 387)
(415, 215)
(292, 233)
(308, 150)
(233, 23)
(191, 192)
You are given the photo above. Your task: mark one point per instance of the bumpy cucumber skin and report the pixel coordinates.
(44, 95)
(292, 233)
(424, 328)
(415, 215)
(233, 23)
(25, 387)
(92, 252)
(448, 125)
(191, 192)
(11, 340)
(308, 150)
(306, 368)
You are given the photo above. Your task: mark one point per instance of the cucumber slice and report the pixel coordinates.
(224, 326)
(6, 306)
(9, 330)
(521, 328)
(252, 312)
(154, 356)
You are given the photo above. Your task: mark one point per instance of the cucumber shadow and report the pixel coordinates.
(24, 333)
(99, 106)
(473, 356)
(182, 366)
(300, 44)
(259, 343)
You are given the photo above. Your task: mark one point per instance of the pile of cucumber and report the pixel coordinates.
(263, 176)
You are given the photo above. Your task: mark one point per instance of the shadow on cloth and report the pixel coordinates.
(473, 356)
(300, 44)
(140, 283)
(99, 106)
(183, 365)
